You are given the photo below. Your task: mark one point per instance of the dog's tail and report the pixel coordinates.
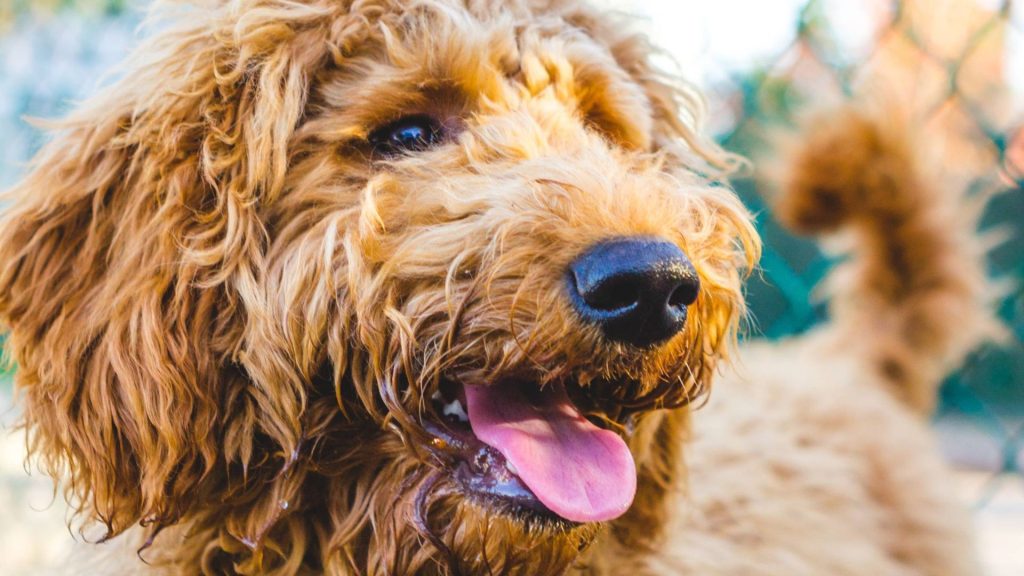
(914, 298)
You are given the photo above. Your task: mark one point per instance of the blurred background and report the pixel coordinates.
(959, 64)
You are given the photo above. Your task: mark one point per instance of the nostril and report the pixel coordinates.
(684, 295)
(614, 295)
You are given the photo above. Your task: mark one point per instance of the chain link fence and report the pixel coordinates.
(958, 63)
(954, 62)
(959, 66)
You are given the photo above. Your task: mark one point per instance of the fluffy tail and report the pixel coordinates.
(914, 299)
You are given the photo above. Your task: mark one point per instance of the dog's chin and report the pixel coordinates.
(487, 478)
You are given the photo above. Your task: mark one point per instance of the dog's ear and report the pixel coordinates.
(130, 259)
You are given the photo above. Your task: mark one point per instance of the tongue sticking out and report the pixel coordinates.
(579, 471)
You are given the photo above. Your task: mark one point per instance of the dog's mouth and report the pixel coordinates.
(523, 448)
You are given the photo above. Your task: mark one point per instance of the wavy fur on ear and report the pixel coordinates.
(229, 316)
(132, 258)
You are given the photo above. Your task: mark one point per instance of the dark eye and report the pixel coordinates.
(408, 134)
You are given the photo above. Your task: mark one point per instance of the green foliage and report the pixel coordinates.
(13, 10)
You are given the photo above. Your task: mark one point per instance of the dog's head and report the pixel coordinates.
(376, 286)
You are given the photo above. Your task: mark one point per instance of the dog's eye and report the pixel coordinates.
(408, 134)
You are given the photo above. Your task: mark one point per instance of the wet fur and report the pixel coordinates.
(228, 314)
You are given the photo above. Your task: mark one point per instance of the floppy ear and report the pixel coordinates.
(129, 262)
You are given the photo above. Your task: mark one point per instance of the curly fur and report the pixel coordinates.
(228, 314)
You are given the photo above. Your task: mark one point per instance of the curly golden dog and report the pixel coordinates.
(431, 287)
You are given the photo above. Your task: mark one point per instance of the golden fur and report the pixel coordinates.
(227, 313)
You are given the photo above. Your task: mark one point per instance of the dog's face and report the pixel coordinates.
(375, 287)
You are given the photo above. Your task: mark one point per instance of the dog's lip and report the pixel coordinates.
(580, 471)
(483, 473)
(480, 470)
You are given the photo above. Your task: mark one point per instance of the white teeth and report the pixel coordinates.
(454, 408)
(511, 468)
(437, 396)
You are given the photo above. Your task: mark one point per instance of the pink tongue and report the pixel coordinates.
(579, 471)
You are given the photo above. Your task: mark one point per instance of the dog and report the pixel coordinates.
(435, 287)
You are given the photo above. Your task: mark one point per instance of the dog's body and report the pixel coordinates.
(339, 287)
(832, 479)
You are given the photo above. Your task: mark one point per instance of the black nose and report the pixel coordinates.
(635, 289)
